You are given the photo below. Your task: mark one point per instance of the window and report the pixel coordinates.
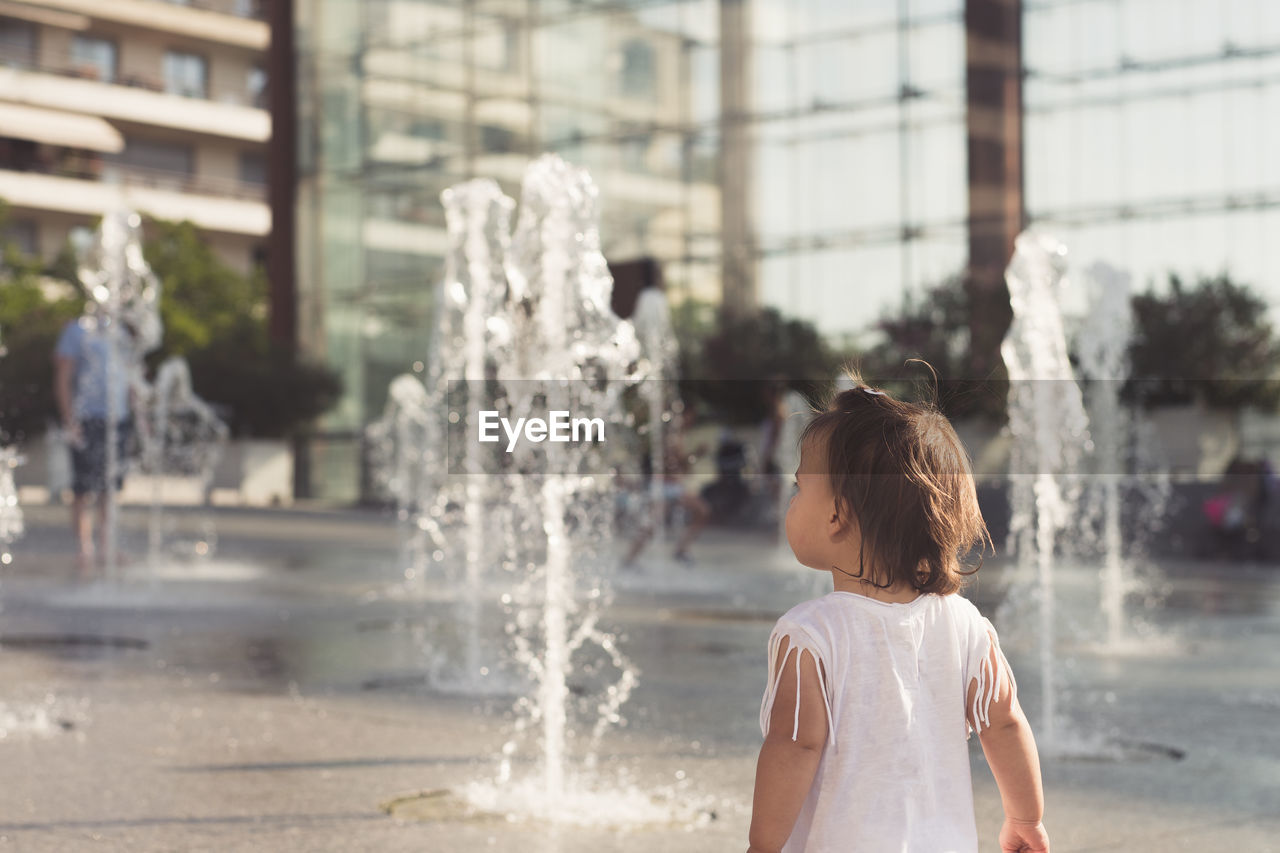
(19, 155)
(496, 140)
(428, 128)
(638, 75)
(185, 74)
(94, 58)
(23, 235)
(157, 156)
(253, 168)
(17, 43)
(257, 86)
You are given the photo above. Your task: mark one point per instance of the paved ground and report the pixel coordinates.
(276, 697)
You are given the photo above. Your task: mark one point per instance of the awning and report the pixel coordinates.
(58, 128)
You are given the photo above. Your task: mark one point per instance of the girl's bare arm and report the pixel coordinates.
(786, 767)
(1010, 749)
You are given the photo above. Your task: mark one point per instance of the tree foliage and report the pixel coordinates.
(729, 360)
(213, 316)
(935, 326)
(216, 318)
(32, 314)
(1210, 342)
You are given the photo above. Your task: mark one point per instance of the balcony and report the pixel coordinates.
(76, 89)
(85, 185)
(230, 22)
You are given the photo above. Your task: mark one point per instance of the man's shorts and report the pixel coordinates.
(89, 460)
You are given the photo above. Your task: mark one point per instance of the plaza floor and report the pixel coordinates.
(275, 698)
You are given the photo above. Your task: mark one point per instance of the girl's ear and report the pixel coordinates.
(837, 521)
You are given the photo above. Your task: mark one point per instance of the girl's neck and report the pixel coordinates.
(898, 593)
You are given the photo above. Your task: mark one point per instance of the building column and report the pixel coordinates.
(993, 48)
(738, 256)
(281, 174)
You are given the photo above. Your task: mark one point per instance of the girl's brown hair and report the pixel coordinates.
(900, 473)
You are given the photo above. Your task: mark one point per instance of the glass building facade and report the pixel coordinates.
(812, 155)
(1149, 127)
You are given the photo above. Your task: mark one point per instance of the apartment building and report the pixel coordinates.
(161, 104)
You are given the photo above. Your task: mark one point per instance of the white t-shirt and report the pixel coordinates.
(894, 775)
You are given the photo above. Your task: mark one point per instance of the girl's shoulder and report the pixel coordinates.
(804, 613)
(960, 604)
(815, 619)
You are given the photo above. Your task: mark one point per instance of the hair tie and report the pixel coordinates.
(874, 391)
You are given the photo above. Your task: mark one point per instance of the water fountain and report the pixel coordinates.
(185, 438)
(799, 413)
(652, 321)
(445, 498)
(11, 526)
(398, 450)
(1049, 428)
(526, 329)
(1103, 359)
(1102, 348)
(122, 293)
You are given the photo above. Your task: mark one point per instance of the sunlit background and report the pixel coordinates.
(824, 157)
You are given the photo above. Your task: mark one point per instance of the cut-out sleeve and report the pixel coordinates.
(987, 665)
(797, 641)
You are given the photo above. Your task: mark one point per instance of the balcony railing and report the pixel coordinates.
(90, 167)
(64, 65)
(251, 9)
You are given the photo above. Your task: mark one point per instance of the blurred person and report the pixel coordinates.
(677, 464)
(871, 687)
(1237, 509)
(728, 495)
(770, 434)
(86, 372)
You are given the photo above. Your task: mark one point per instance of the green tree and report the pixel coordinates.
(1209, 342)
(202, 299)
(33, 311)
(213, 316)
(216, 318)
(729, 362)
(935, 326)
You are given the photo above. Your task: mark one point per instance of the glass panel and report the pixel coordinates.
(155, 156)
(936, 56)
(637, 69)
(256, 87)
(17, 43)
(185, 74)
(94, 58)
(253, 168)
(937, 178)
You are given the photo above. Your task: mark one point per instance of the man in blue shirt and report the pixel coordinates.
(93, 371)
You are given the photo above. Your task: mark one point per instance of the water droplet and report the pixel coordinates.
(437, 555)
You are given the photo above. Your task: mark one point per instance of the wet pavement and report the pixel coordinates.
(278, 696)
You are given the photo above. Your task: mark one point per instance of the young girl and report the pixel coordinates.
(874, 687)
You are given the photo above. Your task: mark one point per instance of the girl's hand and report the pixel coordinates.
(1023, 837)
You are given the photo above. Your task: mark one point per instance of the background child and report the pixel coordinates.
(874, 687)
